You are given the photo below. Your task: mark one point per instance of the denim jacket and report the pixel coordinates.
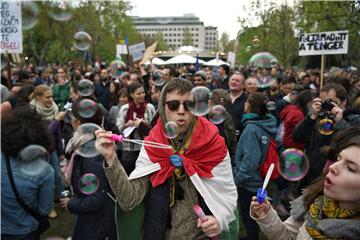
(35, 183)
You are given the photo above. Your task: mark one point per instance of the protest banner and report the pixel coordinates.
(137, 51)
(11, 28)
(323, 43)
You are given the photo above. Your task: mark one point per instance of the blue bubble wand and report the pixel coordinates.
(261, 193)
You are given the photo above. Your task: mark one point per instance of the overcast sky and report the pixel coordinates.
(223, 14)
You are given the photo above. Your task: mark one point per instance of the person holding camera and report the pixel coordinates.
(330, 104)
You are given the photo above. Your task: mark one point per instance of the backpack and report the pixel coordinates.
(272, 156)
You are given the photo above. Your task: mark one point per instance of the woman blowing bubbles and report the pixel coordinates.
(329, 208)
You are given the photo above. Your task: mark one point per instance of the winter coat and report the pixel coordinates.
(291, 115)
(251, 150)
(61, 94)
(95, 209)
(35, 183)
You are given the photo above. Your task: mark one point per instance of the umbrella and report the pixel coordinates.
(263, 60)
(155, 61)
(183, 58)
(215, 62)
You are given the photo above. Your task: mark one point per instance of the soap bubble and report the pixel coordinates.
(33, 158)
(326, 126)
(158, 74)
(217, 114)
(32, 153)
(171, 130)
(85, 88)
(87, 131)
(271, 105)
(273, 63)
(201, 96)
(293, 164)
(60, 11)
(87, 108)
(255, 42)
(82, 41)
(29, 13)
(88, 183)
(266, 81)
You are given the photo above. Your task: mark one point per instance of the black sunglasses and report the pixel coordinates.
(174, 105)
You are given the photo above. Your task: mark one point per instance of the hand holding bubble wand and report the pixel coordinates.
(121, 138)
(200, 213)
(261, 193)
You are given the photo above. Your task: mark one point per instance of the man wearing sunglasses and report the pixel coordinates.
(196, 170)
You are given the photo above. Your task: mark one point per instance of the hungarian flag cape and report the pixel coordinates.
(206, 161)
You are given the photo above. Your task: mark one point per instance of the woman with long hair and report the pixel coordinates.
(330, 207)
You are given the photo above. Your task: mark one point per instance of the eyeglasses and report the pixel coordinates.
(174, 105)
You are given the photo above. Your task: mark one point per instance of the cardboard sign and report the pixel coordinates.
(11, 27)
(323, 43)
(149, 53)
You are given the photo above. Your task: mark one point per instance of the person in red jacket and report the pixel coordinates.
(292, 115)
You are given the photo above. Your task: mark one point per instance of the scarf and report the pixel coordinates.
(322, 209)
(74, 143)
(201, 156)
(139, 111)
(47, 113)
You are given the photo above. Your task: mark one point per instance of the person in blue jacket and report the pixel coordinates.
(33, 177)
(92, 200)
(250, 153)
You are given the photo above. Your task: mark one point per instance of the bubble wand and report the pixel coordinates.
(200, 213)
(121, 138)
(261, 193)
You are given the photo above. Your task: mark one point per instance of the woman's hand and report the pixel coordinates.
(210, 226)
(259, 210)
(129, 123)
(137, 122)
(105, 146)
(64, 202)
(60, 116)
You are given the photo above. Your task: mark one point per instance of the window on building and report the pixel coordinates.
(196, 45)
(196, 34)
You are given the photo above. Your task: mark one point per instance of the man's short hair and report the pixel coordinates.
(338, 88)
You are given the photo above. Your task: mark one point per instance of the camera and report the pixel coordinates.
(327, 105)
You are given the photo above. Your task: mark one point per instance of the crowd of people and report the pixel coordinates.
(125, 190)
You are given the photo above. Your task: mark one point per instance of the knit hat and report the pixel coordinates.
(201, 74)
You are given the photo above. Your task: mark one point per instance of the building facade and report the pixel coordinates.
(173, 28)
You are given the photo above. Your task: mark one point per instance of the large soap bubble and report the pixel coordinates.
(293, 164)
(82, 41)
(201, 96)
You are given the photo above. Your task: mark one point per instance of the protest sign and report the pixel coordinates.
(11, 28)
(323, 43)
(137, 50)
